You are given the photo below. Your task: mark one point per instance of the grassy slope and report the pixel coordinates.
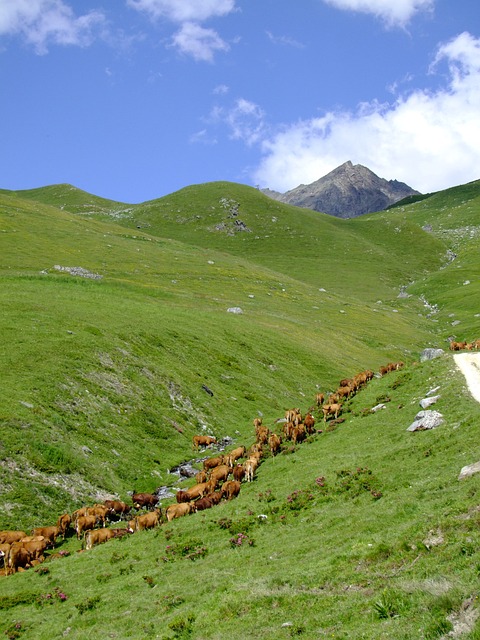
(117, 365)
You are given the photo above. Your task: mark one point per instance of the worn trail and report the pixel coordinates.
(469, 365)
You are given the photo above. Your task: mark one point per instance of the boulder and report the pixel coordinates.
(431, 354)
(469, 470)
(425, 420)
(427, 402)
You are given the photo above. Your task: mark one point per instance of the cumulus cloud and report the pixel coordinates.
(44, 22)
(199, 42)
(392, 12)
(429, 139)
(183, 10)
(191, 39)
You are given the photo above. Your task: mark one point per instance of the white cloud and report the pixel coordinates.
(393, 12)
(198, 42)
(183, 10)
(221, 90)
(42, 22)
(284, 40)
(429, 139)
(245, 121)
(191, 39)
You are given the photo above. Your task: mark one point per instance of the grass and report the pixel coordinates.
(364, 529)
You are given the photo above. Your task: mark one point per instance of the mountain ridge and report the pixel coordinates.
(346, 192)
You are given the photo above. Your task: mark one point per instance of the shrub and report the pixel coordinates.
(241, 539)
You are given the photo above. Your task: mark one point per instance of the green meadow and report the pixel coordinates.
(115, 317)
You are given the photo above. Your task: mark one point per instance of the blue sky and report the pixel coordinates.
(134, 99)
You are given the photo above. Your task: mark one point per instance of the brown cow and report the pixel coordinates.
(309, 423)
(211, 463)
(250, 467)
(221, 473)
(262, 435)
(238, 472)
(7, 537)
(84, 523)
(274, 443)
(97, 536)
(257, 422)
(179, 510)
(230, 489)
(331, 409)
(299, 434)
(234, 455)
(18, 557)
(203, 441)
(36, 548)
(117, 508)
(319, 399)
(200, 477)
(63, 524)
(49, 533)
(141, 500)
(203, 503)
(147, 521)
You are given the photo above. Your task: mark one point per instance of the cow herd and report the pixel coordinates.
(220, 479)
(468, 346)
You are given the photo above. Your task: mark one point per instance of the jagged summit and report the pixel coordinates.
(346, 192)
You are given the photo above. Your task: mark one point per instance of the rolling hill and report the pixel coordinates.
(115, 317)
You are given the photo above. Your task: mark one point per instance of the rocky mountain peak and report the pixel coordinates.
(346, 192)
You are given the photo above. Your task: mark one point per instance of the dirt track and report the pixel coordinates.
(469, 365)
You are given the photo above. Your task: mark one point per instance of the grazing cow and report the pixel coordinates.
(274, 443)
(255, 448)
(299, 434)
(141, 500)
(288, 428)
(319, 399)
(117, 508)
(201, 476)
(49, 533)
(238, 472)
(36, 548)
(230, 489)
(330, 410)
(4, 551)
(18, 558)
(257, 422)
(203, 503)
(221, 473)
(344, 392)
(98, 536)
(179, 510)
(197, 491)
(203, 441)
(309, 423)
(250, 467)
(211, 463)
(182, 496)
(7, 537)
(63, 524)
(262, 435)
(215, 497)
(84, 523)
(148, 520)
(100, 511)
(234, 455)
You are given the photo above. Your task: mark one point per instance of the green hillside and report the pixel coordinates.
(116, 317)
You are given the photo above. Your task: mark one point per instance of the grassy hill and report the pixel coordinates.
(114, 318)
